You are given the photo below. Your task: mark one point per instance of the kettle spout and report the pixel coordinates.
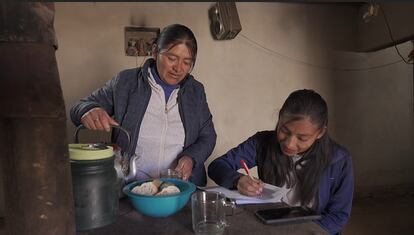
(132, 169)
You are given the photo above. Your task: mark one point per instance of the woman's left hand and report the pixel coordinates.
(185, 167)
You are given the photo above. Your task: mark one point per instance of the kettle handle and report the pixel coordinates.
(81, 126)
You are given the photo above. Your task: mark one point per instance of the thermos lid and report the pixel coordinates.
(90, 151)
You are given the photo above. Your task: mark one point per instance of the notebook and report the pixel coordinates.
(270, 194)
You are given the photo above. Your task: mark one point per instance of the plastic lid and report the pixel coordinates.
(90, 151)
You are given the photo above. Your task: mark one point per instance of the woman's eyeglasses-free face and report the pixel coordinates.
(173, 65)
(185, 63)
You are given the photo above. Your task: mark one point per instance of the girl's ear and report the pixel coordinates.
(322, 132)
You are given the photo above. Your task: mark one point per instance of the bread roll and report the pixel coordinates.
(156, 187)
(164, 185)
(147, 188)
(169, 190)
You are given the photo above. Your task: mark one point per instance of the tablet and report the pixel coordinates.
(287, 215)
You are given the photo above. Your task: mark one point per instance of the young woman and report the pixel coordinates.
(299, 156)
(161, 105)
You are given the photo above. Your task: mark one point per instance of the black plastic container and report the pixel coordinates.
(95, 192)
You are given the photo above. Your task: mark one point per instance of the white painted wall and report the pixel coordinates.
(375, 110)
(245, 84)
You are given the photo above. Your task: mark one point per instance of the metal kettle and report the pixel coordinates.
(125, 165)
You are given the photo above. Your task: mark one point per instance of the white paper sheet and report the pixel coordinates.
(270, 194)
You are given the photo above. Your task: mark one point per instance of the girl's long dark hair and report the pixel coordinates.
(278, 167)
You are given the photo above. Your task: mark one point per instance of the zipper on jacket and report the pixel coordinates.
(181, 112)
(163, 138)
(134, 140)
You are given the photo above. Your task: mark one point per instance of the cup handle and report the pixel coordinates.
(232, 204)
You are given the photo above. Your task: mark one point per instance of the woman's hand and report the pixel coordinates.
(249, 186)
(98, 119)
(185, 167)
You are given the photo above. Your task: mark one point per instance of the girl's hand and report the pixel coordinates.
(249, 186)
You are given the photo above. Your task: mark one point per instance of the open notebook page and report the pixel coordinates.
(270, 194)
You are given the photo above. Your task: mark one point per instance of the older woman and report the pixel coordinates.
(161, 105)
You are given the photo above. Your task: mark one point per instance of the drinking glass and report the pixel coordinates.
(209, 212)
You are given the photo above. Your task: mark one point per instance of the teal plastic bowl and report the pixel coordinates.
(160, 206)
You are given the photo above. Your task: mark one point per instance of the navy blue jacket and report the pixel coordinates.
(126, 98)
(335, 189)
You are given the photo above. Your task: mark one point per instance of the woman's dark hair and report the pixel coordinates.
(175, 34)
(278, 168)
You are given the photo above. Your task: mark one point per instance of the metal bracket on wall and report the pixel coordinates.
(139, 40)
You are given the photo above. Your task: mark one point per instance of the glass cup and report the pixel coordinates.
(170, 173)
(209, 212)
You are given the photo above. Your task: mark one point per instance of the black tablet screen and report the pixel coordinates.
(286, 214)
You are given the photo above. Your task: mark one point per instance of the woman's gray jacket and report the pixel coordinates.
(126, 97)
